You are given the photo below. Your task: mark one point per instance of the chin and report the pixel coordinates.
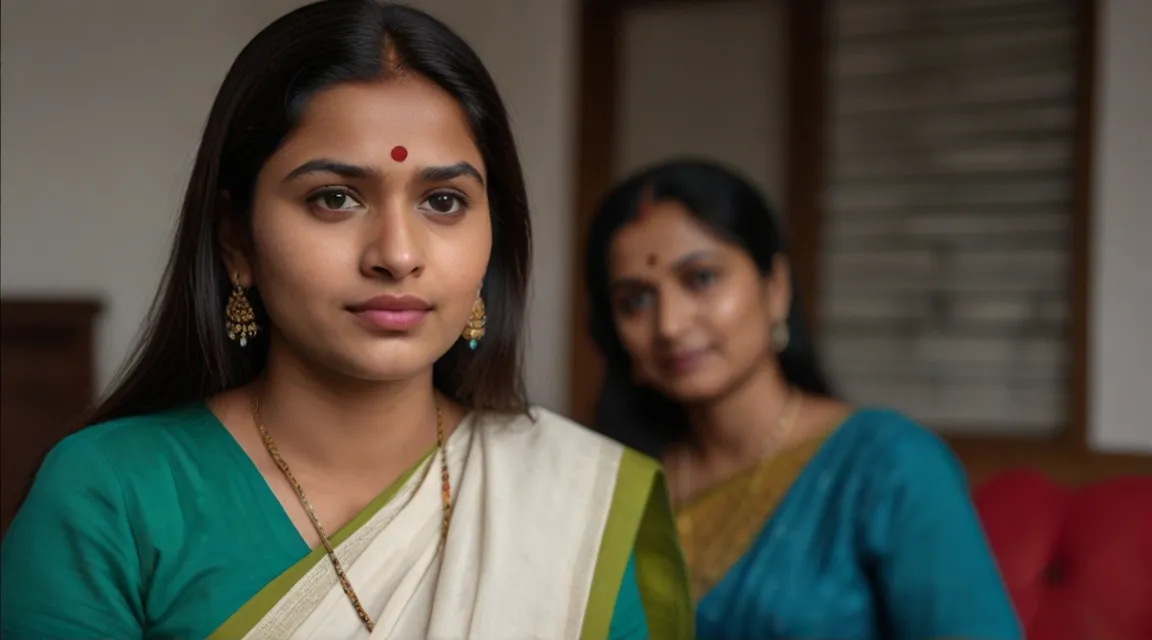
(393, 373)
(387, 361)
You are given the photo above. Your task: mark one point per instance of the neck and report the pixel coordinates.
(343, 425)
(732, 428)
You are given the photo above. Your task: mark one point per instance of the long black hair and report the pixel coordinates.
(735, 210)
(184, 354)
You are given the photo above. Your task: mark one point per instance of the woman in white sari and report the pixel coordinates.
(323, 433)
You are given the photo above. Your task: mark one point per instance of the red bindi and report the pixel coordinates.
(399, 153)
(652, 260)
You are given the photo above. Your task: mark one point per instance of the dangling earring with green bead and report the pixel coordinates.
(474, 330)
(239, 318)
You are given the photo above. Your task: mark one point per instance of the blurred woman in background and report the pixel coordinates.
(800, 516)
(324, 432)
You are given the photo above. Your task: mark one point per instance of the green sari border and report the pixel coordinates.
(253, 611)
(640, 524)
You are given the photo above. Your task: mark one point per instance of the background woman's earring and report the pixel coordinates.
(779, 336)
(474, 330)
(239, 318)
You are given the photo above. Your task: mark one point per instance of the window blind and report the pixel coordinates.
(948, 209)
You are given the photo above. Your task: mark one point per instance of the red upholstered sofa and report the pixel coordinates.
(1078, 561)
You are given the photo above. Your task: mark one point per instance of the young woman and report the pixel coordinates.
(801, 517)
(324, 432)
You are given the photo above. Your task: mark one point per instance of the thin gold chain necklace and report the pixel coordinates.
(704, 574)
(445, 499)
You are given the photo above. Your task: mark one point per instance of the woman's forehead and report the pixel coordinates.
(366, 123)
(663, 234)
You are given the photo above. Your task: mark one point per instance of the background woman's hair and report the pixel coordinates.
(731, 207)
(184, 354)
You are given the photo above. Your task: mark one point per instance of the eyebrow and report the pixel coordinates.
(449, 172)
(692, 257)
(356, 172)
(326, 165)
(678, 263)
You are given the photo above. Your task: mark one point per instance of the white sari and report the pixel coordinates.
(532, 500)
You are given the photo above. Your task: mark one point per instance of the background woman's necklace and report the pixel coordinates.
(445, 498)
(705, 562)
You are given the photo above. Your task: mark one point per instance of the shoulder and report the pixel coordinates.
(887, 439)
(546, 435)
(896, 463)
(78, 536)
(543, 429)
(883, 453)
(133, 442)
(111, 456)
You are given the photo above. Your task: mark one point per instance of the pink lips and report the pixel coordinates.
(392, 313)
(684, 362)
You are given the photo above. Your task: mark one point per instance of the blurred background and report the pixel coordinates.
(965, 183)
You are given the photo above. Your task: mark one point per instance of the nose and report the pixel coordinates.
(674, 313)
(395, 244)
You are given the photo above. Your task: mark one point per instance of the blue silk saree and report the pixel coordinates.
(867, 532)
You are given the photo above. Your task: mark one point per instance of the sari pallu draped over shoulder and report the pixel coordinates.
(545, 516)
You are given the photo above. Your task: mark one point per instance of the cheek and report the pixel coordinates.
(635, 334)
(741, 322)
(458, 261)
(460, 280)
(293, 260)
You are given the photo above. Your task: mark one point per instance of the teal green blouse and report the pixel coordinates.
(158, 526)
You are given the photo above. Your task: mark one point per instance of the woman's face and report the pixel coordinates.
(692, 310)
(370, 230)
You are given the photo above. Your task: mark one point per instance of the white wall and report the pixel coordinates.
(103, 104)
(1121, 321)
(101, 114)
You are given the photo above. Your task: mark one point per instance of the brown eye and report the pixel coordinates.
(444, 203)
(335, 200)
(634, 302)
(338, 200)
(698, 279)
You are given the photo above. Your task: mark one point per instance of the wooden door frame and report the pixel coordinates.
(1068, 456)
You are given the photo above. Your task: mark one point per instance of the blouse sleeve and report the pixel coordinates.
(934, 571)
(69, 567)
(629, 621)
